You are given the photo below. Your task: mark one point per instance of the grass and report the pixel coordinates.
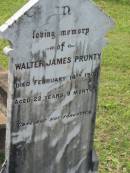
(113, 120)
(112, 140)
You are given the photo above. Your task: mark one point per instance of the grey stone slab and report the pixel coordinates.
(53, 77)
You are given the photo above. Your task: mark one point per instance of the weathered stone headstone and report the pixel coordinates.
(55, 58)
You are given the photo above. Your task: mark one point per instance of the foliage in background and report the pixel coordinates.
(113, 121)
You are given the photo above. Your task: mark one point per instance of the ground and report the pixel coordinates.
(112, 140)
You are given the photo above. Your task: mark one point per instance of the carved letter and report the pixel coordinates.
(66, 10)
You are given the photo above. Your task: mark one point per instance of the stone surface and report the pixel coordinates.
(54, 66)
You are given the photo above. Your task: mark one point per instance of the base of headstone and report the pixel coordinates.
(94, 164)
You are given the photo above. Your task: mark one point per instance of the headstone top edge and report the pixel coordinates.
(4, 28)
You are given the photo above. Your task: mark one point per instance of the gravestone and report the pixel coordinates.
(55, 57)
